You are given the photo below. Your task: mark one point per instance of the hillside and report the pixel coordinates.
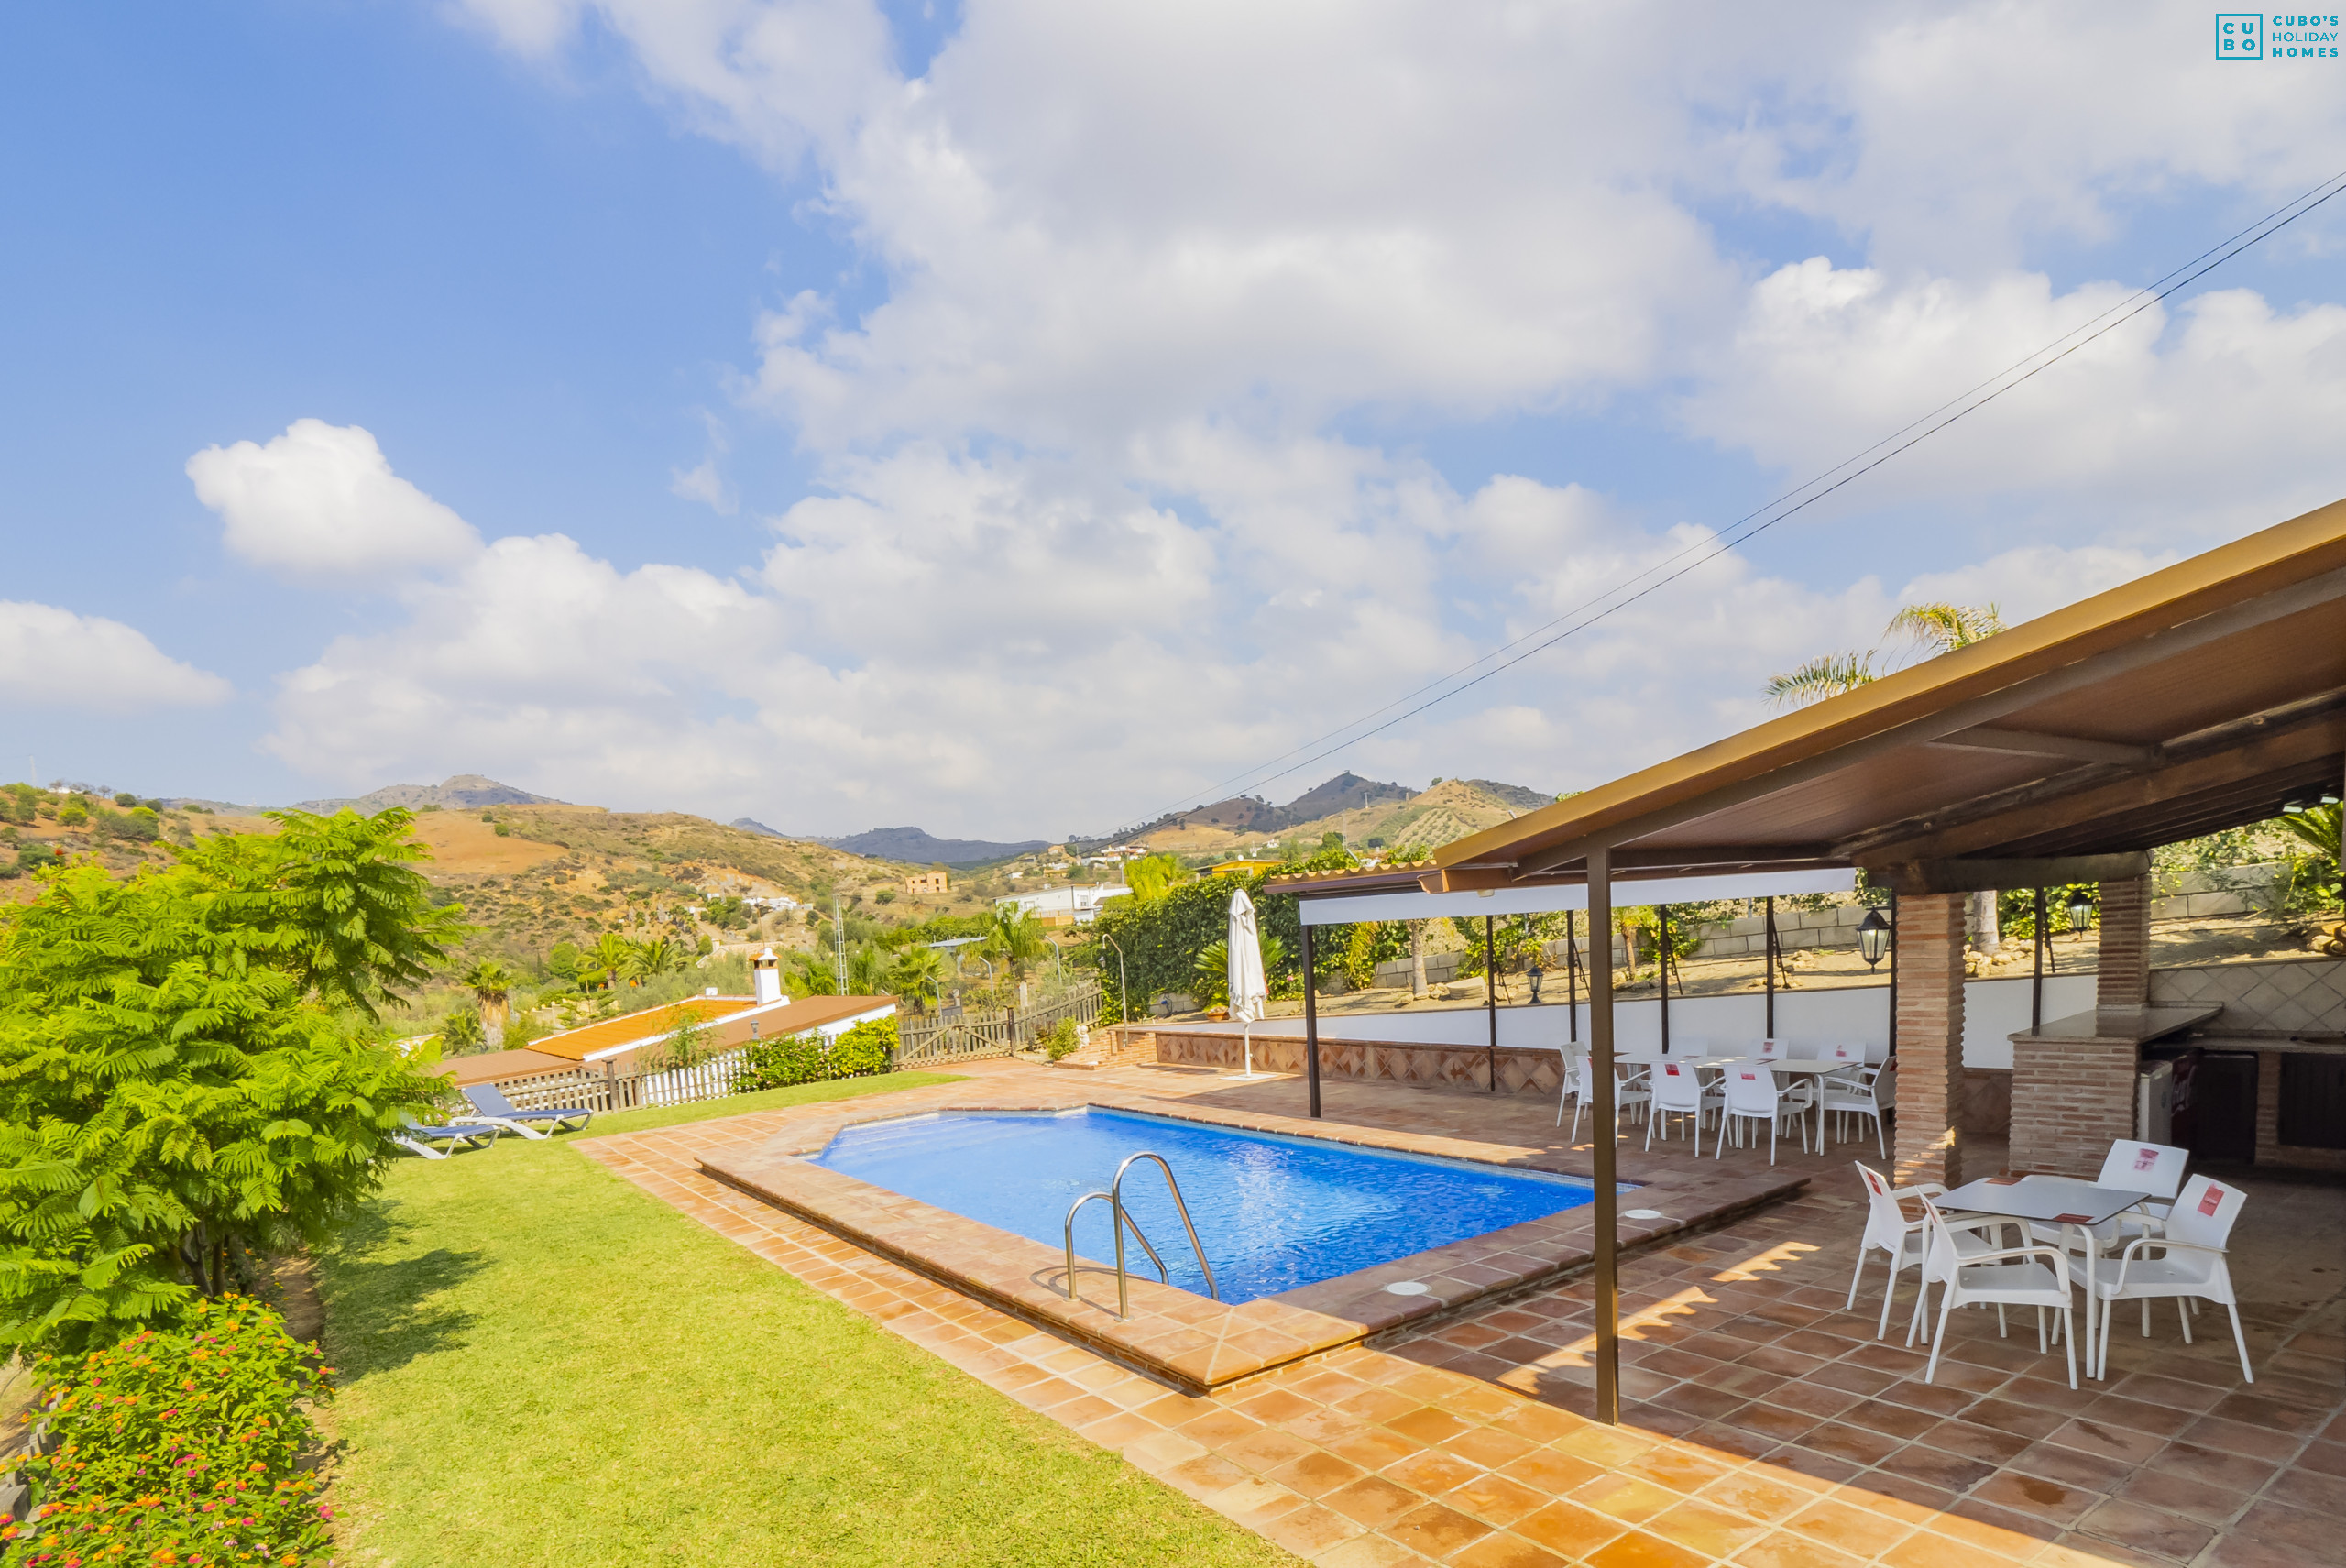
(465, 791)
(1365, 812)
(916, 846)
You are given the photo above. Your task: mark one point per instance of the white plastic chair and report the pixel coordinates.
(1889, 1230)
(1580, 1087)
(1873, 1093)
(2192, 1265)
(2131, 1166)
(1770, 1050)
(1677, 1091)
(1970, 1275)
(1752, 1096)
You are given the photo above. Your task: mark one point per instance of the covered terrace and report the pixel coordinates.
(2203, 697)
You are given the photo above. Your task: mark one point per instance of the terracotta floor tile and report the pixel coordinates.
(1372, 1502)
(1495, 1499)
(1316, 1474)
(2153, 1530)
(1368, 1551)
(1569, 1529)
(1858, 1531)
(1432, 1471)
(1701, 1528)
(1506, 1550)
(1640, 1550)
(1436, 1530)
(1311, 1530)
(1785, 1549)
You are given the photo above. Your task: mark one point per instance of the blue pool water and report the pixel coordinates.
(1273, 1213)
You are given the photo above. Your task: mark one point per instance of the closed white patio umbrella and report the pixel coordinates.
(1248, 993)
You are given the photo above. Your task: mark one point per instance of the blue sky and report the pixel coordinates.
(1017, 418)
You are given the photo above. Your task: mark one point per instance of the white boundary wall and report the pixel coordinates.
(1993, 1010)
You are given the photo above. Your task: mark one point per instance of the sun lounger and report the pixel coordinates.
(490, 1108)
(417, 1138)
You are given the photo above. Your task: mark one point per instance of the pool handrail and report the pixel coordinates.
(1119, 1217)
(1118, 1213)
(1117, 1190)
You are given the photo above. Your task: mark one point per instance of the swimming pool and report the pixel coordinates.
(1273, 1213)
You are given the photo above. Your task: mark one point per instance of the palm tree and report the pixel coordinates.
(917, 970)
(492, 986)
(1939, 628)
(654, 956)
(1016, 939)
(610, 959)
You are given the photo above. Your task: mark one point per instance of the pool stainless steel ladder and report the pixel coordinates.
(1120, 1219)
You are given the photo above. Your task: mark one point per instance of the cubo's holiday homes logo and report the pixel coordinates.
(2248, 34)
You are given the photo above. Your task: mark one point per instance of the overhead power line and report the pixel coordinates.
(1628, 591)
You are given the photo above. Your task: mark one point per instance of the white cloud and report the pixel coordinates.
(2195, 426)
(320, 502)
(1118, 489)
(54, 658)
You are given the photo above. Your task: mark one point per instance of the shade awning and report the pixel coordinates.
(2202, 697)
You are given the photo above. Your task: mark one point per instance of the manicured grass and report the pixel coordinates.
(764, 1099)
(542, 1363)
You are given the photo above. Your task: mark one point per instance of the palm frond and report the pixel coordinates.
(1829, 674)
(1942, 627)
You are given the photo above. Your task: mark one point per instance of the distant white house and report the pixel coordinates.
(1063, 905)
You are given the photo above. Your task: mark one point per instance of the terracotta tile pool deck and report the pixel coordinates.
(1763, 1426)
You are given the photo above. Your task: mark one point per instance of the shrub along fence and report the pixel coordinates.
(927, 1038)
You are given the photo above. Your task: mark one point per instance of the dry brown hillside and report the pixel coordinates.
(1449, 810)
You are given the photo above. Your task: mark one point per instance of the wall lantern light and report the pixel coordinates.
(1873, 937)
(2080, 909)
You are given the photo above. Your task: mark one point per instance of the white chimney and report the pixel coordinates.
(765, 972)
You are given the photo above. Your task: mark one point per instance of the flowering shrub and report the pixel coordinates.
(177, 1448)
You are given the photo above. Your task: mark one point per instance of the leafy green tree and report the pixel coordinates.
(344, 897)
(177, 1096)
(1153, 876)
(609, 960)
(461, 1033)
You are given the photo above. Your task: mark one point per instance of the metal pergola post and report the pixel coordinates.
(1893, 1055)
(1311, 1026)
(2036, 977)
(1607, 1205)
(1491, 1002)
(1572, 976)
(1767, 948)
(1661, 968)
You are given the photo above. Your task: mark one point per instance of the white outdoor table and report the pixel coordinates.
(2063, 1200)
(1817, 1068)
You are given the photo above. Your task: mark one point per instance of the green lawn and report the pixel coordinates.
(764, 1099)
(541, 1364)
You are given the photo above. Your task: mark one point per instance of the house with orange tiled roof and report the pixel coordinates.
(732, 1021)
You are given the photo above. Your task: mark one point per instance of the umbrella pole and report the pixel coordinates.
(1607, 1205)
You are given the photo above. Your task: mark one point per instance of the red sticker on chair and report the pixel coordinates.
(1749, 1077)
(2146, 1158)
(1669, 1072)
(2212, 1201)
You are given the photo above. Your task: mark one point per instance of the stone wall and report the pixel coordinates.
(1521, 1071)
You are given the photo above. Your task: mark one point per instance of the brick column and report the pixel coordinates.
(1930, 1038)
(2125, 964)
